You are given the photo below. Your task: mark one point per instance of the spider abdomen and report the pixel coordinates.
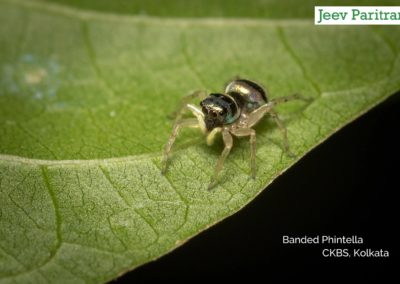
(248, 95)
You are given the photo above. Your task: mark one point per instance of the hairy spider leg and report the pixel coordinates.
(279, 122)
(240, 132)
(190, 122)
(184, 101)
(199, 115)
(283, 130)
(286, 99)
(228, 141)
(179, 123)
(211, 136)
(259, 113)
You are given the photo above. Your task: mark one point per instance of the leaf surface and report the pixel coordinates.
(84, 101)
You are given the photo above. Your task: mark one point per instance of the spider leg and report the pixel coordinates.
(257, 114)
(185, 100)
(285, 99)
(283, 130)
(212, 134)
(190, 122)
(240, 132)
(199, 115)
(228, 141)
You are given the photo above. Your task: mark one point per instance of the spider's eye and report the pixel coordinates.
(204, 110)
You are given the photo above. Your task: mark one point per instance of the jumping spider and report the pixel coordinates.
(234, 112)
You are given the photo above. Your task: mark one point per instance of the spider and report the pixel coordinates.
(243, 104)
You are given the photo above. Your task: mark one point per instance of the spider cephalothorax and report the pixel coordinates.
(243, 104)
(218, 110)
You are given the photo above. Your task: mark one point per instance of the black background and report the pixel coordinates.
(345, 186)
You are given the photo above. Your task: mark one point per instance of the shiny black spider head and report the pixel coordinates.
(218, 110)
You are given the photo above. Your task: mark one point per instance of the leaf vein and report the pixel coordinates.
(58, 243)
(297, 60)
(92, 58)
(29, 134)
(116, 189)
(189, 62)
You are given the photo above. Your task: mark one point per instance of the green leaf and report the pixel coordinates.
(84, 100)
